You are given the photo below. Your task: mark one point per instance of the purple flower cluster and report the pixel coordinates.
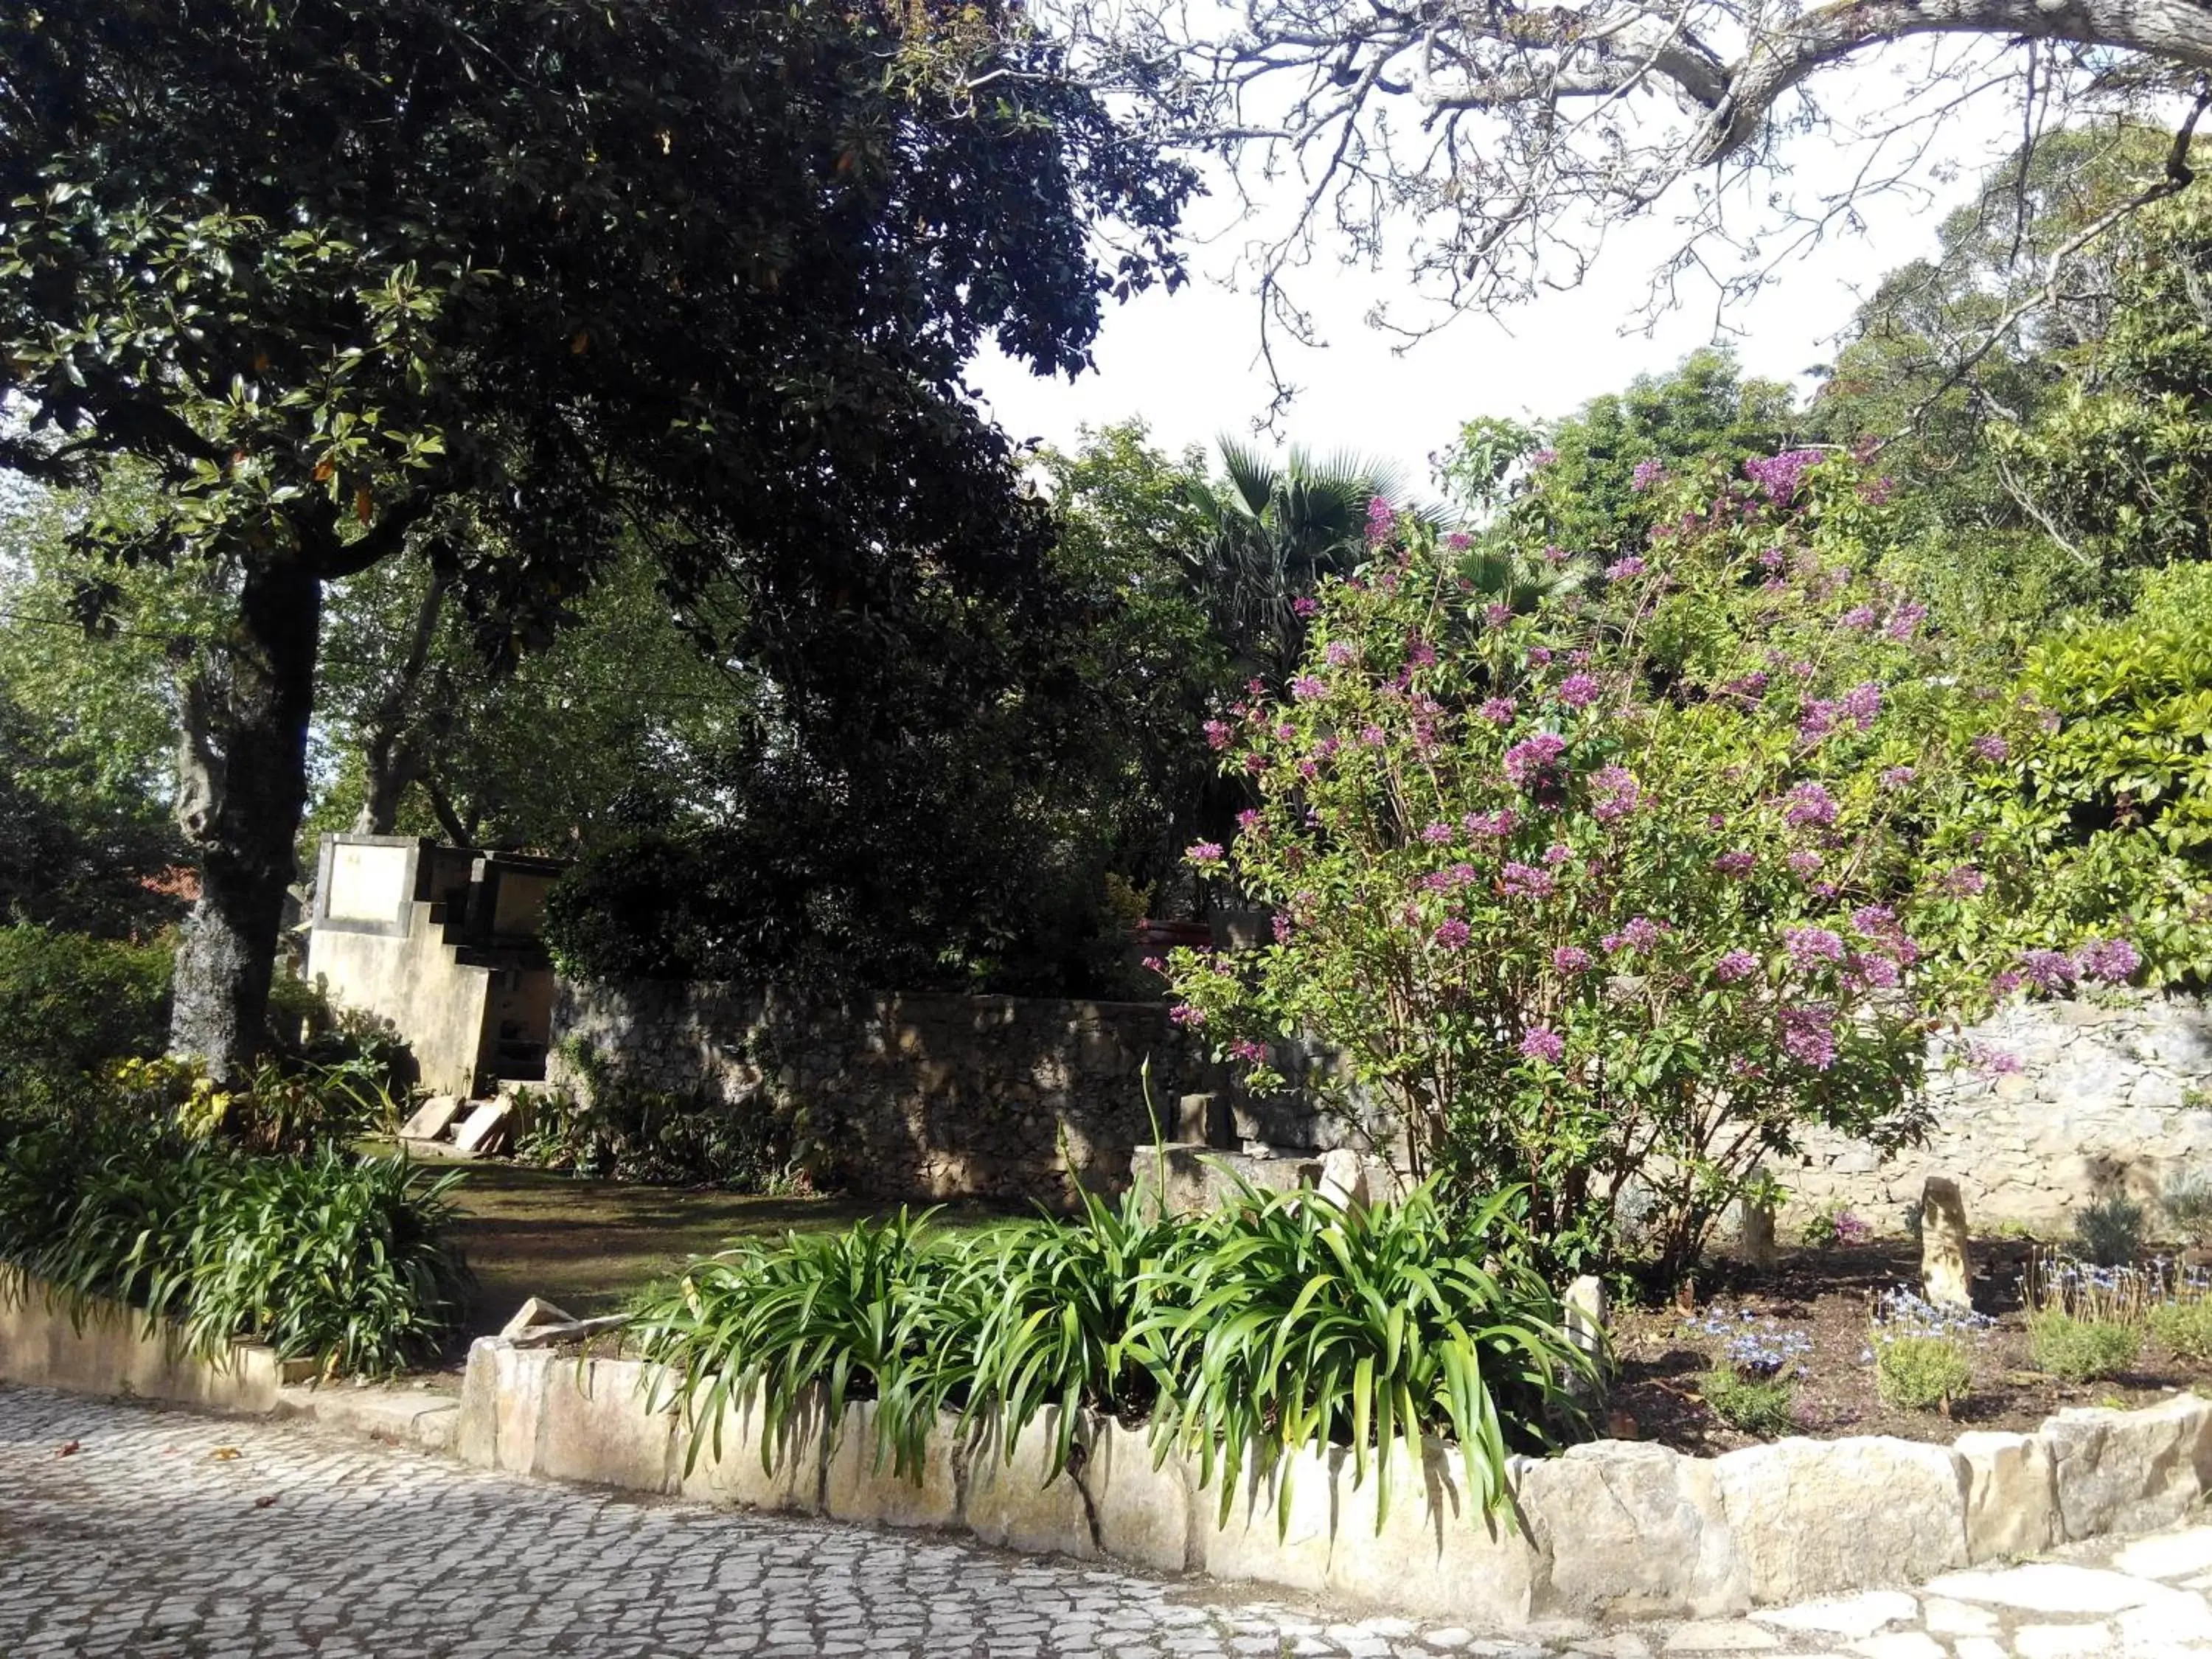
(1306, 605)
(1570, 959)
(1454, 934)
(1615, 792)
(1809, 947)
(1904, 620)
(1804, 863)
(1498, 823)
(1340, 652)
(1498, 711)
(1203, 852)
(1780, 475)
(1543, 1043)
(1997, 1062)
(1863, 703)
(1808, 1034)
(1526, 881)
(1307, 688)
(2114, 961)
(1532, 764)
(1961, 881)
(1217, 734)
(1245, 1048)
(1647, 473)
(1381, 520)
(1734, 965)
(1859, 616)
(1436, 833)
(1639, 934)
(1808, 804)
(2048, 970)
(1497, 614)
(1896, 777)
(1621, 569)
(1577, 690)
(1442, 881)
(1991, 747)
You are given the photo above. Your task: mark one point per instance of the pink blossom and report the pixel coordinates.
(1217, 734)
(2113, 961)
(1816, 719)
(1554, 554)
(1458, 541)
(1558, 853)
(1577, 690)
(1248, 819)
(1876, 970)
(1541, 655)
(2049, 970)
(1860, 617)
(1284, 730)
(1804, 863)
(1371, 735)
(1621, 569)
(1338, 653)
(1245, 1048)
(1305, 605)
(1420, 654)
(1750, 685)
(1781, 475)
(1616, 793)
(1497, 615)
(1154, 965)
(1647, 473)
(1808, 1034)
(1453, 935)
(1520, 880)
(1991, 747)
(1808, 804)
(1436, 833)
(1863, 703)
(1996, 1061)
(1381, 520)
(1183, 1014)
(1283, 927)
(1542, 1043)
(1255, 763)
(1499, 711)
(1904, 620)
(1640, 933)
(1570, 959)
(1203, 852)
(1541, 458)
(1734, 965)
(1897, 777)
(1735, 863)
(1532, 763)
(1962, 881)
(1808, 947)
(1500, 822)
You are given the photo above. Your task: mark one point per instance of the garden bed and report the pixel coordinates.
(1826, 1296)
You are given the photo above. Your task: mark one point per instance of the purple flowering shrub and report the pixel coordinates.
(1628, 889)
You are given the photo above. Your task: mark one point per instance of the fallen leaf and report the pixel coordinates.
(263, 1503)
(69, 1450)
(223, 1454)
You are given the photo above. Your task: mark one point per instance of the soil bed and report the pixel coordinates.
(1827, 1296)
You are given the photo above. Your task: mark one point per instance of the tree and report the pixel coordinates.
(492, 285)
(1513, 137)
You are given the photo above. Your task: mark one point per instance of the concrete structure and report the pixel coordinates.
(442, 942)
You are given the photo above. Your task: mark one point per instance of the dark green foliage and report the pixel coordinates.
(1277, 1323)
(342, 1259)
(2110, 1232)
(69, 1006)
(617, 1131)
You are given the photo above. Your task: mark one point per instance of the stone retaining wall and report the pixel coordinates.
(104, 1347)
(2108, 1097)
(1610, 1528)
(905, 1096)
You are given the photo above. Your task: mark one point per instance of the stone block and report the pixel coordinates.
(2012, 1500)
(861, 1483)
(431, 1119)
(720, 1458)
(1810, 1518)
(1630, 1530)
(598, 1427)
(534, 1310)
(1946, 1273)
(1009, 1501)
(2129, 1471)
(485, 1128)
(1141, 1510)
(502, 1402)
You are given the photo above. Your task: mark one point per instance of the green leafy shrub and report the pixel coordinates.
(2082, 1350)
(2185, 1328)
(2187, 1202)
(614, 1129)
(71, 1006)
(1279, 1321)
(1923, 1373)
(346, 1260)
(2110, 1232)
(1636, 886)
(1761, 1406)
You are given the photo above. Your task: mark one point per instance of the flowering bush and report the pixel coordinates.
(1628, 889)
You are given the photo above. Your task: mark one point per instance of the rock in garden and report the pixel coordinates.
(484, 1129)
(1946, 1269)
(536, 1311)
(1343, 1179)
(1758, 1225)
(1582, 1313)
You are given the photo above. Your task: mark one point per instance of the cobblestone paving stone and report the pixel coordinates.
(169, 1535)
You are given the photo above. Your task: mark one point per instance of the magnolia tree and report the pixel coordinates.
(1620, 896)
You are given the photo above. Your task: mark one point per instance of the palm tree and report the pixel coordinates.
(1272, 532)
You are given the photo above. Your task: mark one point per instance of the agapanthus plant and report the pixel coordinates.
(1625, 890)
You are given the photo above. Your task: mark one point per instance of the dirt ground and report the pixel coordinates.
(1827, 1295)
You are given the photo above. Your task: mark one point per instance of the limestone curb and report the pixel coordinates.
(1609, 1529)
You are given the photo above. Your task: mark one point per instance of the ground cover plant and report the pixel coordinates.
(1277, 1323)
(346, 1261)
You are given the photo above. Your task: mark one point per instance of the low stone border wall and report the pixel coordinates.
(1612, 1528)
(107, 1348)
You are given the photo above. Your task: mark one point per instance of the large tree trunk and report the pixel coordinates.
(246, 782)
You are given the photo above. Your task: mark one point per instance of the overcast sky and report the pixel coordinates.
(1187, 363)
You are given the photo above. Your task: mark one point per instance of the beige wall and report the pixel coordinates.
(438, 1004)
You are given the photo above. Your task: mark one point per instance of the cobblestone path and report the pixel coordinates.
(151, 1534)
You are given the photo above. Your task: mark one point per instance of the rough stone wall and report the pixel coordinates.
(2109, 1097)
(906, 1095)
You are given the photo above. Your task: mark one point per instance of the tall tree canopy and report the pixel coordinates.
(495, 284)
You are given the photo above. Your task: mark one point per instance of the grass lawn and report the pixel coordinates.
(587, 1246)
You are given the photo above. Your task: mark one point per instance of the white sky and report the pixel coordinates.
(1187, 363)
